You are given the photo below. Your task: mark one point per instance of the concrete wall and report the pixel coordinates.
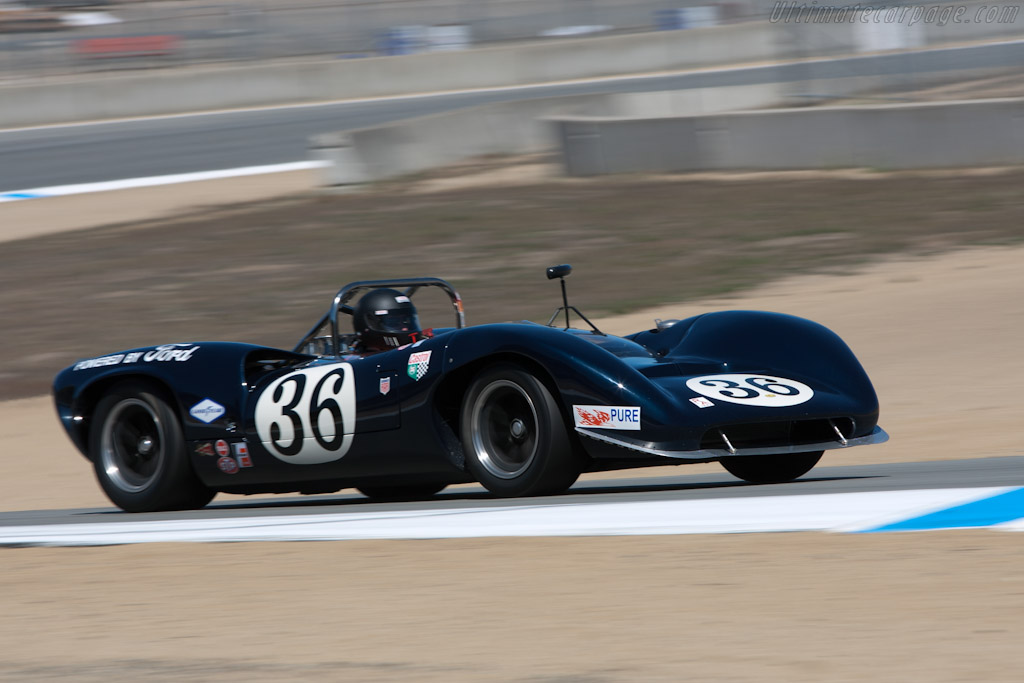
(518, 127)
(417, 144)
(946, 134)
(693, 102)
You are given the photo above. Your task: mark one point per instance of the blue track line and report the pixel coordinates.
(21, 195)
(1003, 507)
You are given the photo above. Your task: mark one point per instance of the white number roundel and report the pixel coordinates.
(770, 391)
(308, 416)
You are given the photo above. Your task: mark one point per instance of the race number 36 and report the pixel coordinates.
(308, 416)
(769, 391)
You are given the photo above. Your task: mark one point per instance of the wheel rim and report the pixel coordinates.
(131, 447)
(504, 426)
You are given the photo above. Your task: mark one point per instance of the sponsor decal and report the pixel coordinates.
(308, 416)
(166, 352)
(701, 402)
(206, 411)
(204, 448)
(385, 385)
(223, 450)
(402, 299)
(178, 352)
(99, 362)
(241, 450)
(419, 363)
(227, 465)
(607, 417)
(766, 391)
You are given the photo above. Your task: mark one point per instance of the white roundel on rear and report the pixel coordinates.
(767, 391)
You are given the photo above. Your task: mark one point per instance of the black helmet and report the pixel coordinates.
(386, 319)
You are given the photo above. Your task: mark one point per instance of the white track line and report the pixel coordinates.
(819, 512)
(152, 181)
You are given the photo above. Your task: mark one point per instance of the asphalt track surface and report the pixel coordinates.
(948, 474)
(77, 153)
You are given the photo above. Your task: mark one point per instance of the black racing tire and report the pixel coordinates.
(401, 491)
(771, 469)
(138, 452)
(514, 435)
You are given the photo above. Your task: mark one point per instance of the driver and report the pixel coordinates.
(385, 319)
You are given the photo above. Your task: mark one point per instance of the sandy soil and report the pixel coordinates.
(943, 606)
(938, 337)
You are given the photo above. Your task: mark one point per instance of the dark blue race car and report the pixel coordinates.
(399, 413)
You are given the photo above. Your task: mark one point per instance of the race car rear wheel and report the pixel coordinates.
(771, 469)
(400, 492)
(138, 452)
(514, 435)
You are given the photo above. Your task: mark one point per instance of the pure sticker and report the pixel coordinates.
(607, 417)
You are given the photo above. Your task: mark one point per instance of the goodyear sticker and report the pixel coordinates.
(206, 410)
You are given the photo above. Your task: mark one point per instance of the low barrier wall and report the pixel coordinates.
(518, 127)
(413, 145)
(945, 134)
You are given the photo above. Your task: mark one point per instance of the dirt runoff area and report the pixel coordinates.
(937, 333)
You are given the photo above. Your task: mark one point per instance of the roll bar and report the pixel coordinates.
(345, 294)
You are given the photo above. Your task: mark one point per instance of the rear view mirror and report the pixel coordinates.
(559, 271)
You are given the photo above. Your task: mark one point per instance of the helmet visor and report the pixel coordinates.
(397, 321)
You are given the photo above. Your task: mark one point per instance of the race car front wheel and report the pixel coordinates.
(514, 435)
(771, 469)
(138, 452)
